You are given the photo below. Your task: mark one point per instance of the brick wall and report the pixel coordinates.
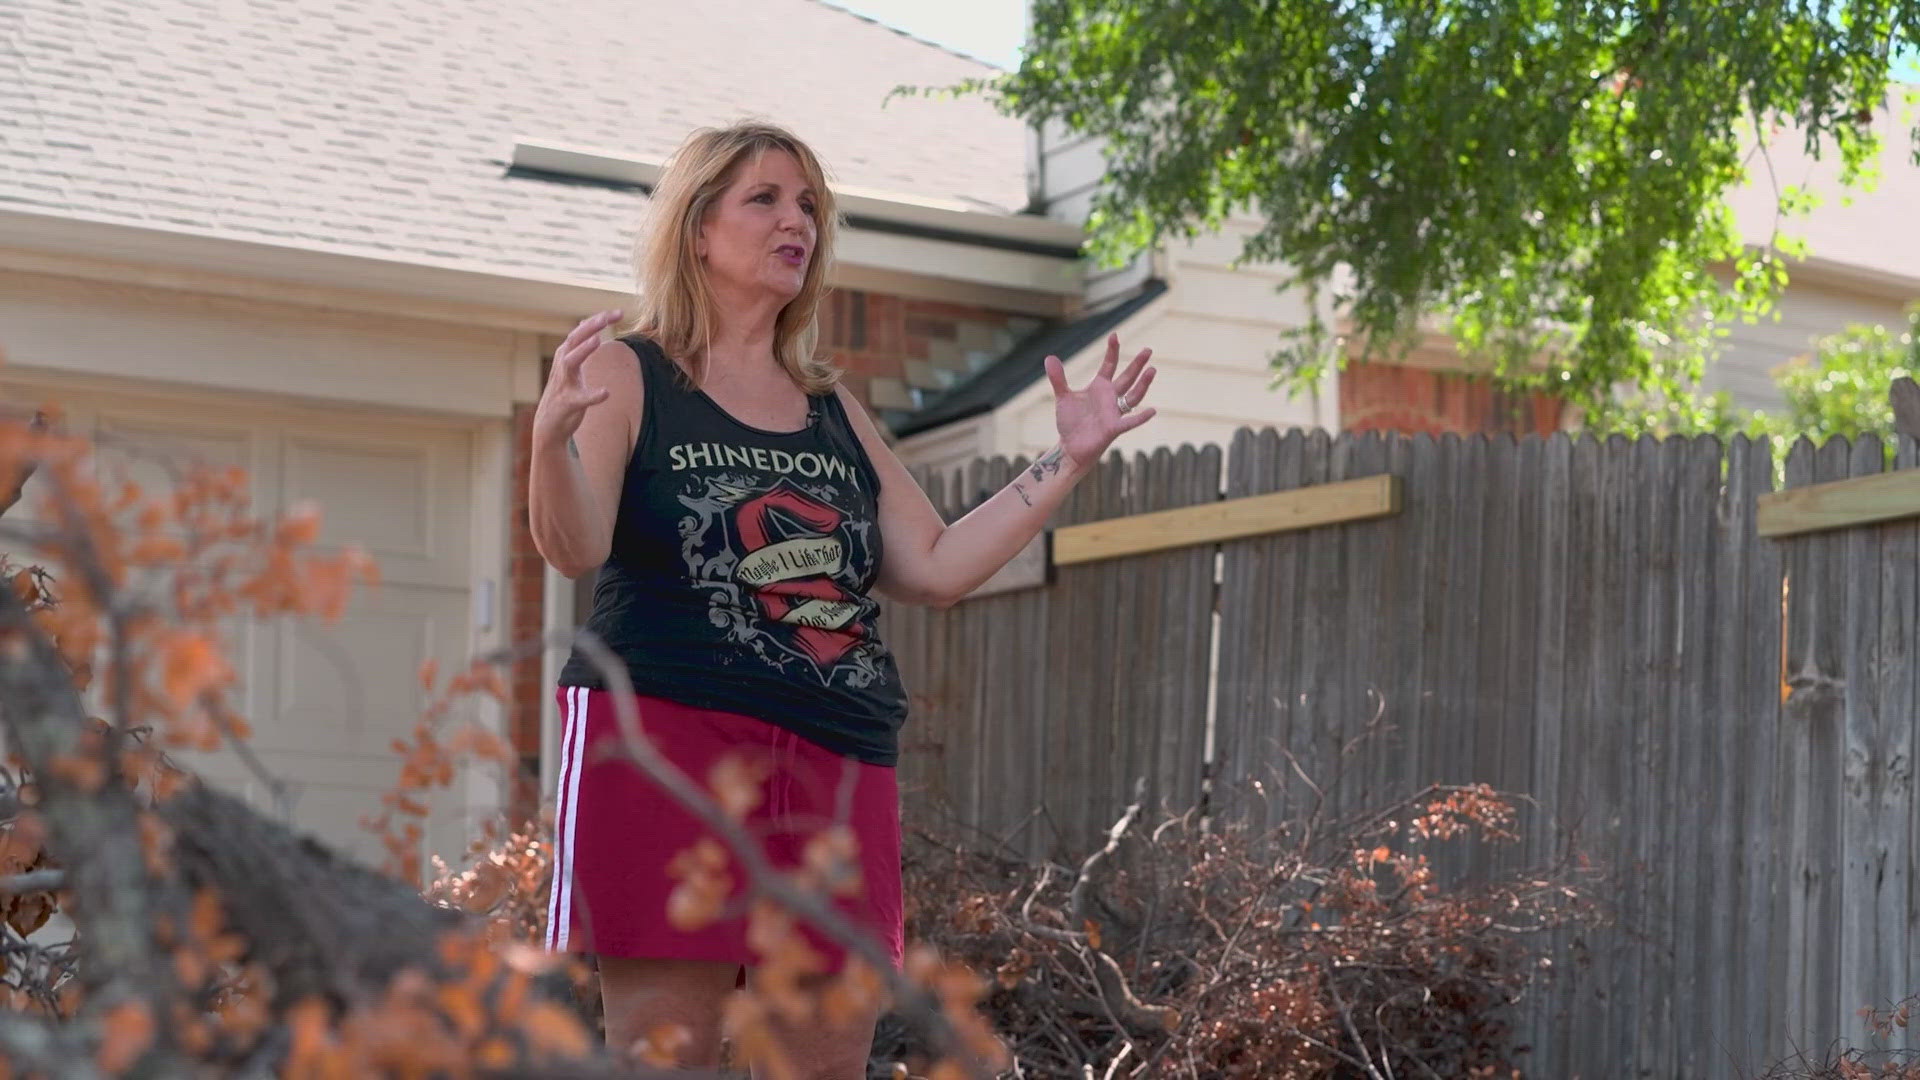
(888, 345)
(1412, 400)
(525, 583)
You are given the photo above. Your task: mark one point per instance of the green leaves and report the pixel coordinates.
(1548, 177)
(1840, 389)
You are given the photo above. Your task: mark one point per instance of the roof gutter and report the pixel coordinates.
(1886, 284)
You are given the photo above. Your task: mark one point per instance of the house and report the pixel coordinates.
(336, 245)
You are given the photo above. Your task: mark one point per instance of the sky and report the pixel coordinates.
(989, 30)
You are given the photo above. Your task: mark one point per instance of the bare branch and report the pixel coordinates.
(1346, 1019)
(94, 830)
(33, 881)
(37, 1046)
(1077, 899)
(1128, 1010)
(12, 487)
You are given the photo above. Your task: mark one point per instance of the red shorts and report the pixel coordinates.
(616, 833)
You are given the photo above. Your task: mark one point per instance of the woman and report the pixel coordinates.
(745, 508)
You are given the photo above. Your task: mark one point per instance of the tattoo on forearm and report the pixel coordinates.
(1022, 492)
(1048, 464)
(573, 448)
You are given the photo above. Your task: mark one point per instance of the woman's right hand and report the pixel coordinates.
(565, 399)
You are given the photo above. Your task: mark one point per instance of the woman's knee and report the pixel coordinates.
(819, 1048)
(671, 1007)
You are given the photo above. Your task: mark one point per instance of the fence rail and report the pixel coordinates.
(1723, 721)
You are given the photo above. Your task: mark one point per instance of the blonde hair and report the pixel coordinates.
(674, 304)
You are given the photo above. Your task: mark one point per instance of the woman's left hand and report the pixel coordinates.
(1108, 407)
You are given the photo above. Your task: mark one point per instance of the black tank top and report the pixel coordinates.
(740, 570)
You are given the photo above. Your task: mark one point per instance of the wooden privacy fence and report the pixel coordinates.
(1722, 721)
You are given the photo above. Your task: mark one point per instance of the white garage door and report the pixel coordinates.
(326, 702)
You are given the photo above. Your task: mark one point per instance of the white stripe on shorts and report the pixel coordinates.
(566, 795)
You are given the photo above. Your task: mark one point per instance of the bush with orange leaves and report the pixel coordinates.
(208, 939)
(505, 882)
(1189, 948)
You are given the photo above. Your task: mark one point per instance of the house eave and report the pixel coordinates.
(1872, 281)
(77, 246)
(317, 274)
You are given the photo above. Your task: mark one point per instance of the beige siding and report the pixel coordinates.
(189, 340)
(1072, 168)
(1864, 250)
(1807, 311)
(951, 447)
(1212, 336)
(1213, 378)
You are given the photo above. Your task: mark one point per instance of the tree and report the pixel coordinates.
(1549, 176)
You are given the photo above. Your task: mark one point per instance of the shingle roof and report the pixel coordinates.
(385, 126)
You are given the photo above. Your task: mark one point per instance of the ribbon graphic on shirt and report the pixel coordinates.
(790, 557)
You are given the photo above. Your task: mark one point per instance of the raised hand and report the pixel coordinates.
(567, 397)
(1106, 408)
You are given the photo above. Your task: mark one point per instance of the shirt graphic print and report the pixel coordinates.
(784, 567)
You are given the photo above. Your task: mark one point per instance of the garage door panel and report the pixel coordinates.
(337, 807)
(405, 502)
(155, 453)
(158, 454)
(354, 687)
(374, 495)
(337, 687)
(246, 642)
(325, 702)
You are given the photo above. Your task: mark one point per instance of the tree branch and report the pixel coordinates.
(33, 881)
(93, 822)
(31, 1044)
(1346, 1019)
(1077, 899)
(10, 491)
